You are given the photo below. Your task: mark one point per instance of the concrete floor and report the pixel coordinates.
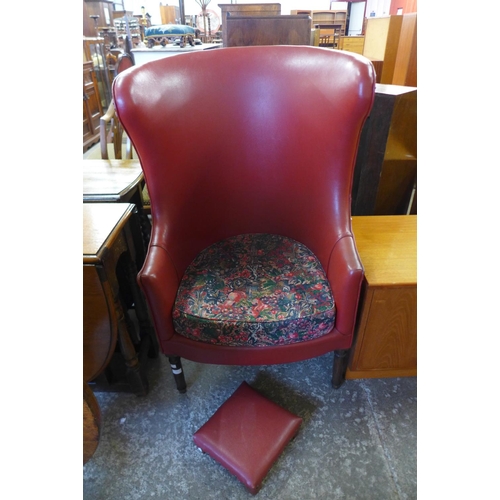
(359, 442)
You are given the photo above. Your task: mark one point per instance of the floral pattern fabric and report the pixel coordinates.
(254, 290)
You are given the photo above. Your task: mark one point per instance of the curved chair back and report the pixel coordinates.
(259, 139)
(247, 139)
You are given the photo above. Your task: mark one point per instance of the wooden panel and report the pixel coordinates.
(387, 340)
(92, 108)
(170, 14)
(391, 49)
(377, 29)
(399, 169)
(352, 43)
(405, 67)
(387, 246)
(372, 148)
(386, 330)
(91, 423)
(268, 30)
(378, 67)
(252, 9)
(101, 8)
(99, 333)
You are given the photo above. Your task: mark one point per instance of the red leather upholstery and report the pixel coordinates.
(246, 140)
(247, 434)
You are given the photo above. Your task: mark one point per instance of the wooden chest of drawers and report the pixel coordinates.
(352, 44)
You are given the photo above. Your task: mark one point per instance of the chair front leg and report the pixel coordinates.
(176, 365)
(340, 360)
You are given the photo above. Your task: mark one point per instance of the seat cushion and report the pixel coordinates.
(254, 290)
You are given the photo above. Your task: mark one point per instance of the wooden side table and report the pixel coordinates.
(118, 181)
(109, 270)
(386, 333)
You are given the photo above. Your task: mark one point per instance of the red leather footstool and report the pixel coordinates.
(247, 434)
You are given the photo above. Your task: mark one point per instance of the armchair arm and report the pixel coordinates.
(345, 273)
(159, 281)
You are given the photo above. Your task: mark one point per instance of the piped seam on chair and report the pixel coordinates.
(170, 259)
(347, 235)
(341, 237)
(243, 322)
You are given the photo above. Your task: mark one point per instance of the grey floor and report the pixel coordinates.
(359, 442)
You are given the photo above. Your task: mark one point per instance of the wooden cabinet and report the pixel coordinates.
(352, 43)
(405, 65)
(92, 109)
(114, 345)
(386, 332)
(170, 14)
(393, 40)
(386, 164)
(331, 23)
(251, 9)
(268, 30)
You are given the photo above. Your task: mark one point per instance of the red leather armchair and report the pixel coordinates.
(244, 141)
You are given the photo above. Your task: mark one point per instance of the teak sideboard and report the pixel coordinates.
(386, 332)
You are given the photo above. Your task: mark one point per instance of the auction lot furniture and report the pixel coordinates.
(109, 287)
(386, 165)
(118, 181)
(243, 220)
(386, 331)
(267, 30)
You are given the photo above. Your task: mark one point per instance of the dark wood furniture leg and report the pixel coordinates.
(340, 359)
(178, 372)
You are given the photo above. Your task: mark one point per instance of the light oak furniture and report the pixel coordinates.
(331, 24)
(352, 44)
(109, 289)
(386, 331)
(170, 14)
(393, 40)
(405, 65)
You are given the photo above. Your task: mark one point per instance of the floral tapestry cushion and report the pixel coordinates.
(254, 290)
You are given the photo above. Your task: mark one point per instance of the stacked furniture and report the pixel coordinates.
(393, 40)
(331, 25)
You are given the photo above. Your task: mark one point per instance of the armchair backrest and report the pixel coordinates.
(247, 139)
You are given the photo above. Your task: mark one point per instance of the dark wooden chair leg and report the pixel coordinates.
(176, 365)
(340, 359)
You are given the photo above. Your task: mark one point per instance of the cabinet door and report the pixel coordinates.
(387, 338)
